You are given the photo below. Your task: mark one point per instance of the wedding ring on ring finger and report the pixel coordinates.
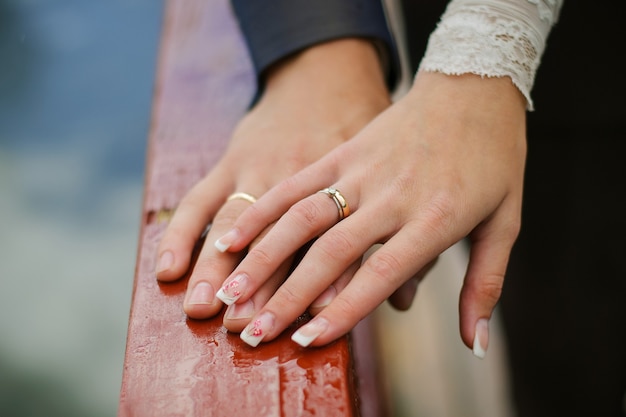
(242, 196)
(340, 201)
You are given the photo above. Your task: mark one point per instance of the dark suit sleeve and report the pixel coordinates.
(275, 29)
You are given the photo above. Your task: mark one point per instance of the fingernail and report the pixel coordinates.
(240, 311)
(306, 334)
(481, 338)
(202, 293)
(258, 329)
(166, 260)
(325, 298)
(223, 243)
(232, 290)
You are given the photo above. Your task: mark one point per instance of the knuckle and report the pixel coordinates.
(512, 230)
(441, 211)
(259, 257)
(259, 238)
(307, 213)
(404, 182)
(225, 218)
(296, 160)
(384, 266)
(192, 198)
(490, 289)
(346, 308)
(336, 244)
(252, 214)
(195, 200)
(255, 212)
(172, 235)
(287, 186)
(288, 297)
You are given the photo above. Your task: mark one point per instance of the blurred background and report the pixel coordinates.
(76, 80)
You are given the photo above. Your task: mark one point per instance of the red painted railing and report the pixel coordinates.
(180, 367)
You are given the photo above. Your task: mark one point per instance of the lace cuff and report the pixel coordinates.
(492, 38)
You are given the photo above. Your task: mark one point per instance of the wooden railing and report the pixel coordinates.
(175, 366)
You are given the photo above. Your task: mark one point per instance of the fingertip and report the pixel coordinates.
(257, 331)
(200, 301)
(479, 297)
(202, 311)
(308, 333)
(476, 308)
(223, 243)
(480, 293)
(165, 262)
(221, 246)
(481, 338)
(166, 268)
(230, 241)
(173, 264)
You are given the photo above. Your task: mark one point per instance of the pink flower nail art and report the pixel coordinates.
(232, 290)
(258, 329)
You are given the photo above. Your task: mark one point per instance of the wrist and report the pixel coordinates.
(343, 69)
(468, 92)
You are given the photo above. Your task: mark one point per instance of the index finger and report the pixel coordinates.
(273, 204)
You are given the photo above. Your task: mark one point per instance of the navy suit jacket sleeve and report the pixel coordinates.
(275, 29)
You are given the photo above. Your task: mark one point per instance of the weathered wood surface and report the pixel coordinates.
(180, 367)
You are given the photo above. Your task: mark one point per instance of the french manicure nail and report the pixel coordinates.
(232, 290)
(481, 338)
(306, 334)
(166, 260)
(258, 329)
(240, 311)
(223, 243)
(202, 293)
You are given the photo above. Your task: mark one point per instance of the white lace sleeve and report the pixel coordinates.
(492, 38)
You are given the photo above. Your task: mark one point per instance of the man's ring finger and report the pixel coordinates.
(242, 196)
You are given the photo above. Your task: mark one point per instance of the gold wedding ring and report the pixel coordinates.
(340, 201)
(242, 196)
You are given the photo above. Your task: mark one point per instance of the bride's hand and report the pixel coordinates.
(444, 163)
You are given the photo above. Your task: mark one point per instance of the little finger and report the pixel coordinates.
(489, 255)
